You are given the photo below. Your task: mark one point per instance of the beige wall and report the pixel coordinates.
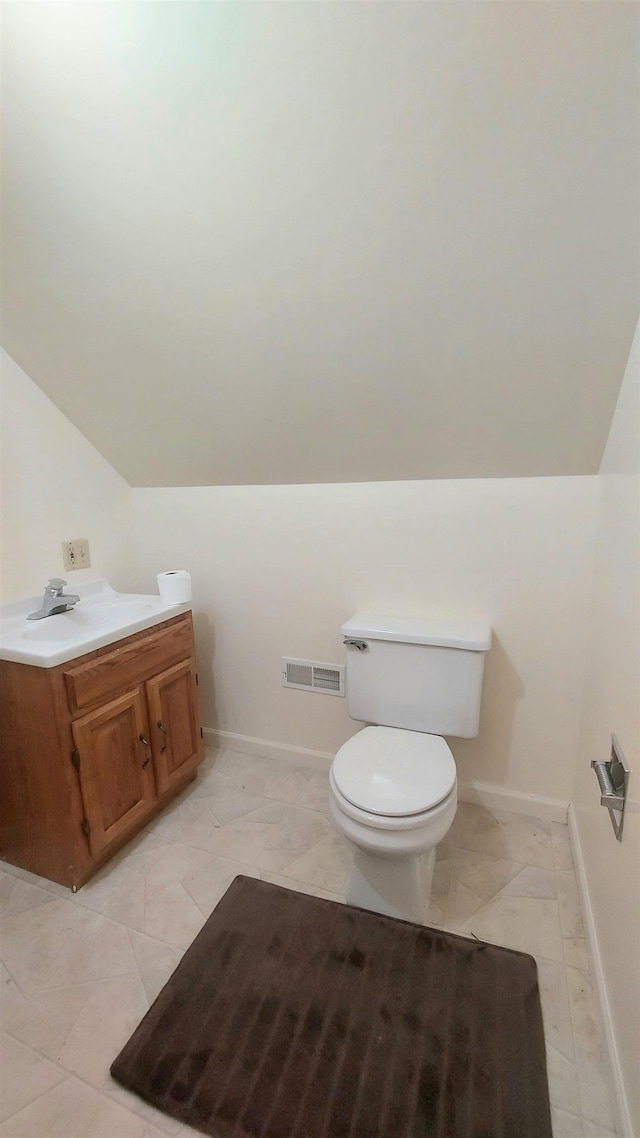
(276, 571)
(323, 242)
(611, 704)
(55, 487)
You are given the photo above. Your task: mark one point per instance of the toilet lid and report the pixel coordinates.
(389, 771)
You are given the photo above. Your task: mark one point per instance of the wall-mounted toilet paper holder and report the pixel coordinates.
(613, 779)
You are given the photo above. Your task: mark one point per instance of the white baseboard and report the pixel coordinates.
(482, 794)
(597, 972)
(513, 801)
(282, 752)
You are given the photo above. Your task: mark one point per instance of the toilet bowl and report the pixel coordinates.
(393, 795)
(393, 784)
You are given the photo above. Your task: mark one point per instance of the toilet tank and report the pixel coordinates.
(423, 675)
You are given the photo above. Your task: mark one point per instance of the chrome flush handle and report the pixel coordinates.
(361, 645)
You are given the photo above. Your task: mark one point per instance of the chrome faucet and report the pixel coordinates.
(54, 600)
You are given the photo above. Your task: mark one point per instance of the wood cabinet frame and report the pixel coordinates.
(83, 761)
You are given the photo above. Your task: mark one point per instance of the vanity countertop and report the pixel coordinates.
(101, 617)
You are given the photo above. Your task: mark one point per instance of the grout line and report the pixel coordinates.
(36, 1098)
(12, 977)
(137, 963)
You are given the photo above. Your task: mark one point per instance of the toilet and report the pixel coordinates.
(393, 786)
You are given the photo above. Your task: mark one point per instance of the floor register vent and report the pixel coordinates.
(310, 676)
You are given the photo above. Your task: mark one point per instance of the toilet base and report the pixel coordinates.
(394, 886)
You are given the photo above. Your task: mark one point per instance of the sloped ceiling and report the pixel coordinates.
(301, 242)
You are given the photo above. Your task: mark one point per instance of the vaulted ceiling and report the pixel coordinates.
(301, 242)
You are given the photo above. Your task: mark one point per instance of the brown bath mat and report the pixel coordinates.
(295, 1017)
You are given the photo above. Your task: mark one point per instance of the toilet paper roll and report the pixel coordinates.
(174, 586)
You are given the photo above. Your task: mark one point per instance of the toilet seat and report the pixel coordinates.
(393, 774)
(345, 813)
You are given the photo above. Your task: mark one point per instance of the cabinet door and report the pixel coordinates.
(116, 775)
(175, 723)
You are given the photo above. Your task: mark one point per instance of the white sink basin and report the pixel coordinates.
(101, 617)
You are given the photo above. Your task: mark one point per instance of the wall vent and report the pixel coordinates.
(310, 676)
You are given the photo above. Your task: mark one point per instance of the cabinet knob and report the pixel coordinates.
(145, 742)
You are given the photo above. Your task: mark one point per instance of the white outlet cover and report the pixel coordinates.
(75, 554)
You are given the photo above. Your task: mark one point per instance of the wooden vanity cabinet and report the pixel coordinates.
(113, 761)
(92, 749)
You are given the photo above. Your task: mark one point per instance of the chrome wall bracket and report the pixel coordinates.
(613, 780)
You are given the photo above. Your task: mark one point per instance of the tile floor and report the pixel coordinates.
(78, 972)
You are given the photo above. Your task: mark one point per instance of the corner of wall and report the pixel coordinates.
(56, 487)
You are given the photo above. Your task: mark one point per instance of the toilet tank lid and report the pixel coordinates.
(474, 637)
